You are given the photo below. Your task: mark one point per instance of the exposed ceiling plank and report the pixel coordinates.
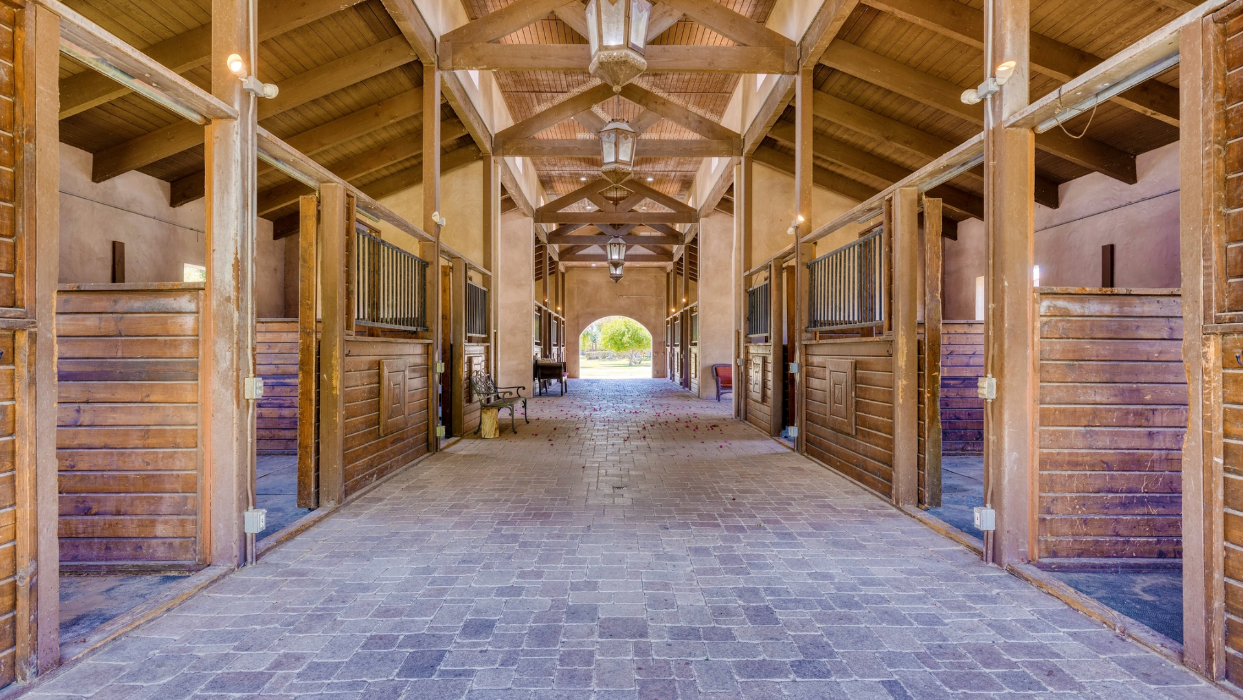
(604, 238)
(574, 14)
(906, 137)
(1049, 57)
(774, 104)
(352, 168)
(861, 161)
(629, 217)
(645, 121)
(364, 121)
(414, 27)
(675, 112)
(646, 148)
(192, 49)
(551, 116)
(946, 96)
(597, 185)
(506, 20)
(728, 23)
(600, 257)
(590, 121)
(823, 30)
(304, 87)
(660, 58)
(663, 16)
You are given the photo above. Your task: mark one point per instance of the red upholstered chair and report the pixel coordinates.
(724, 379)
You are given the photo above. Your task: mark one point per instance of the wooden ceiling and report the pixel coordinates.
(886, 102)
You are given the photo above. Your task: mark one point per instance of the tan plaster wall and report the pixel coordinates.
(515, 304)
(775, 209)
(159, 239)
(590, 295)
(718, 292)
(1141, 220)
(461, 203)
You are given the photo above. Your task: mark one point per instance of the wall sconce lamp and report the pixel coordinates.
(991, 85)
(440, 220)
(250, 83)
(795, 224)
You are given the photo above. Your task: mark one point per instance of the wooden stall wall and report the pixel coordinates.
(474, 359)
(128, 436)
(277, 363)
(962, 409)
(929, 489)
(850, 408)
(385, 407)
(759, 377)
(694, 370)
(1113, 413)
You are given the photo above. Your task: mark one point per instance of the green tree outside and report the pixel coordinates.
(625, 336)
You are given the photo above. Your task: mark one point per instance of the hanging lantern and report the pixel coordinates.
(617, 32)
(615, 271)
(617, 142)
(616, 249)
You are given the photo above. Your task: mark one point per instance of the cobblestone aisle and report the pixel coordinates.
(631, 542)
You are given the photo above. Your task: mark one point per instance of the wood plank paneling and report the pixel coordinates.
(127, 438)
(1113, 412)
(962, 409)
(277, 363)
(759, 387)
(474, 359)
(866, 456)
(368, 454)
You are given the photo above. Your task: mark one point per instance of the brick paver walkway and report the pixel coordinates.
(632, 542)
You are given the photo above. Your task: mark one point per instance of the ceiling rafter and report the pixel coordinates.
(645, 148)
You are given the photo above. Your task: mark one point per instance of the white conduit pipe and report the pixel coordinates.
(1114, 90)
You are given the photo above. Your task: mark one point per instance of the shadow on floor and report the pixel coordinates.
(962, 489)
(88, 602)
(276, 486)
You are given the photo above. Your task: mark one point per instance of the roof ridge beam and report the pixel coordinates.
(730, 24)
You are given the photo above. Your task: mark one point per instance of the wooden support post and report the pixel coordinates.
(38, 552)
(308, 350)
(1107, 265)
(332, 345)
(228, 433)
(906, 263)
(744, 225)
(457, 342)
(776, 334)
(933, 246)
(1010, 420)
(1202, 66)
(491, 246)
(118, 262)
(431, 252)
(804, 168)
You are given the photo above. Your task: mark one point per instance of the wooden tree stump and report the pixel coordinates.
(488, 427)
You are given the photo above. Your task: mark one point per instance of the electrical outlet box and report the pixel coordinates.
(793, 368)
(791, 431)
(252, 387)
(986, 388)
(985, 519)
(256, 519)
(440, 368)
(440, 431)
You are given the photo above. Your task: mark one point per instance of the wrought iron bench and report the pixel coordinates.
(492, 396)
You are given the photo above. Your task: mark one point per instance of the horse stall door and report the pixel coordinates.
(308, 353)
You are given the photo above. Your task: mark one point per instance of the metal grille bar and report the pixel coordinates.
(392, 286)
(846, 288)
(476, 309)
(759, 307)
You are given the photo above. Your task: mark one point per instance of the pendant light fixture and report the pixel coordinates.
(617, 142)
(617, 32)
(616, 250)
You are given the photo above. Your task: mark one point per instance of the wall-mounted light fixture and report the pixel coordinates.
(991, 85)
(798, 220)
(250, 83)
(440, 220)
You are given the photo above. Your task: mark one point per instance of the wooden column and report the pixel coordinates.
(229, 152)
(744, 226)
(1201, 202)
(1010, 420)
(457, 341)
(308, 352)
(906, 263)
(431, 253)
(332, 345)
(803, 252)
(492, 244)
(38, 620)
(776, 334)
(932, 350)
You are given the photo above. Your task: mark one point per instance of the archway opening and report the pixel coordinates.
(615, 347)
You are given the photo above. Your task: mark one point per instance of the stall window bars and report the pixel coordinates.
(476, 309)
(392, 286)
(847, 286)
(759, 306)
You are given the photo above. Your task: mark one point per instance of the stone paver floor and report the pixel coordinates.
(630, 543)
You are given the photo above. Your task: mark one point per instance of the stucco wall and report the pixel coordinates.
(515, 305)
(1141, 220)
(159, 239)
(773, 199)
(461, 203)
(590, 295)
(718, 292)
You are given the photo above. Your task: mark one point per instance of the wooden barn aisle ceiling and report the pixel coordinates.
(886, 102)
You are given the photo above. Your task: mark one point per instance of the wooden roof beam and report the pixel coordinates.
(364, 121)
(601, 257)
(861, 161)
(657, 196)
(502, 22)
(413, 176)
(597, 185)
(660, 58)
(675, 112)
(729, 24)
(646, 148)
(192, 49)
(630, 217)
(945, 96)
(181, 136)
(602, 239)
(1049, 57)
(551, 116)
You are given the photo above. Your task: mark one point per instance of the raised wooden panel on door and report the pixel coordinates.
(922, 458)
(867, 455)
(1232, 492)
(128, 426)
(1113, 412)
(8, 509)
(277, 363)
(475, 359)
(1234, 166)
(759, 386)
(962, 409)
(369, 455)
(10, 253)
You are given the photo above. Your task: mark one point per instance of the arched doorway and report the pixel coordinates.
(615, 347)
(590, 296)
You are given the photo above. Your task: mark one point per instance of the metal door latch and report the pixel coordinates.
(252, 388)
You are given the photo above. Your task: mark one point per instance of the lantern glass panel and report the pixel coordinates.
(625, 147)
(640, 12)
(612, 22)
(608, 141)
(593, 35)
